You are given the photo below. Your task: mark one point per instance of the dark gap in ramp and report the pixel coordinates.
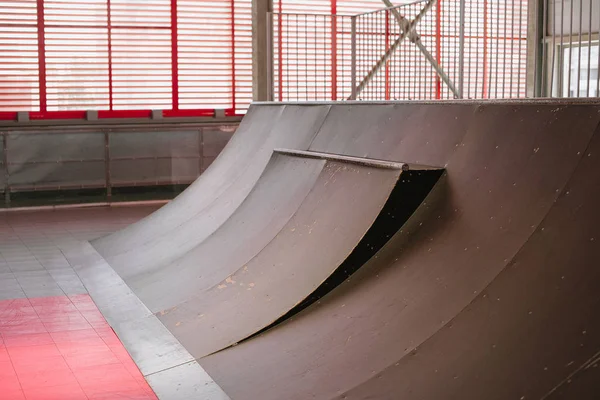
(409, 192)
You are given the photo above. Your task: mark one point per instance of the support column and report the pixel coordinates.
(261, 90)
(534, 56)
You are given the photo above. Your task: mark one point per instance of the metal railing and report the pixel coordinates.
(428, 49)
(311, 56)
(105, 159)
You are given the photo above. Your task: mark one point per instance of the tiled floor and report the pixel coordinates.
(54, 343)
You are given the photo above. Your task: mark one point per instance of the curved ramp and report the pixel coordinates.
(464, 301)
(327, 225)
(250, 228)
(185, 222)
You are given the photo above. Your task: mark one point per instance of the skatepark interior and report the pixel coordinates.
(296, 199)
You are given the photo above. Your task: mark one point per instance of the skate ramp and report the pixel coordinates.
(464, 300)
(191, 217)
(228, 302)
(487, 291)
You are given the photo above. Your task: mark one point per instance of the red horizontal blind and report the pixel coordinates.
(141, 54)
(204, 42)
(19, 77)
(60, 55)
(76, 55)
(242, 23)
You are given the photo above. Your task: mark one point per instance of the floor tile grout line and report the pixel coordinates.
(42, 265)
(61, 354)
(123, 346)
(15, 371)
(108, 346)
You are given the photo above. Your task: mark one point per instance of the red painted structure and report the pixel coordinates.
(186, 57)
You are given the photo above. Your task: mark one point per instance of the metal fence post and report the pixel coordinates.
(461, 51)
(270, 55)
(201, 151)
(6, 171)
(107, 176)
(353, 58)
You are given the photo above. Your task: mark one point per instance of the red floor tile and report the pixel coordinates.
(8, 378)
(61, 348)
(47, 378)
(4, 354)
(63, 392)
(23, 328)
(13, 395)
(33, 352)
(33, 339)
(124, 395)
(24, 365)
(77, 336)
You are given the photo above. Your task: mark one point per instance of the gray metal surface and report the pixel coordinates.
(395, 330)
(488, 291)
(249, 229)
(165, 363)
(332, 218)
(210, 201)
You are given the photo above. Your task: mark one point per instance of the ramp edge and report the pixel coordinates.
(168, 367)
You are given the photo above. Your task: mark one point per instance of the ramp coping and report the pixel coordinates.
(368, 162)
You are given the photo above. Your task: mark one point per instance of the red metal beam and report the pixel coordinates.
(280, 48)
(438, 47)
(110, 69)
(174, 57)
(42, 55)
(387, 47)
(485, 49)
(334, 50)
(233, 67)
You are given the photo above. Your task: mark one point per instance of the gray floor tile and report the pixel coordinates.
(12, 294)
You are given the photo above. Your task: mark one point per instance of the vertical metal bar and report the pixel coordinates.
(325, 39)
(544, 50)
(570, 51)
(6, 170)
(280, 52)
(107, 176)
(589, 48)
(491, 58)
(561, 59)
(461, 49)
(598, 62)
(579, 46)
(109, 49)
(297, 58)
(233, 60)
(334, 50)
(270, 58)
(504, 47)
(551, 91)
(353, 57)
(485, 86)
(201, 163)
(476, 60)
(41, 35)
(438, 47)
(175, 57)
(305, 49)
(497, 64)
(315, 23)
(387, 45)
(512, 47)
